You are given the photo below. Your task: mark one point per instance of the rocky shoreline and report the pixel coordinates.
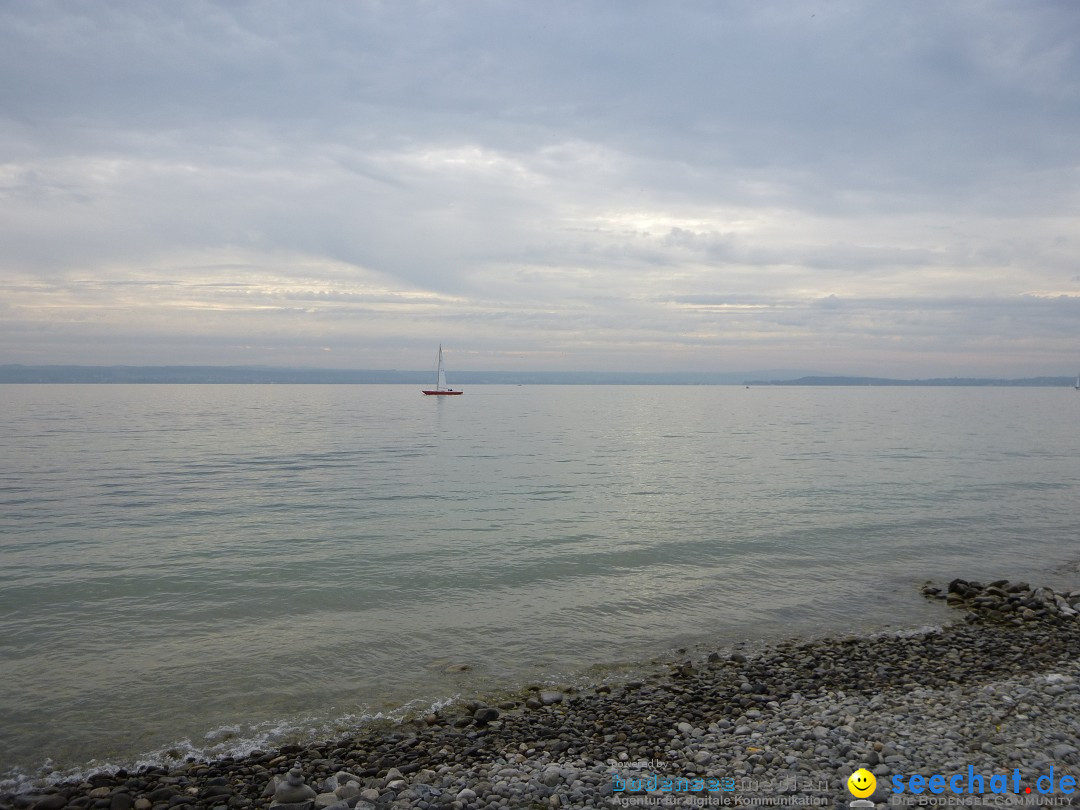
(997, 690)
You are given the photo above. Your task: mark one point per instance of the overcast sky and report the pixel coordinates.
(890, 188)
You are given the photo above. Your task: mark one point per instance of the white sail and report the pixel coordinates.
(440, 379)
(440, 375)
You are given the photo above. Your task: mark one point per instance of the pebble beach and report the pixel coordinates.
(994, 691)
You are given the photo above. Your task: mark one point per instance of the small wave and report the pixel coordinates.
(908, 632)
(236, 741)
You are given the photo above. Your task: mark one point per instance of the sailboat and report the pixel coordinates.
(1078, 382)
(441, 389)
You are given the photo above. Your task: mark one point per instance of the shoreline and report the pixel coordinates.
(995, 690)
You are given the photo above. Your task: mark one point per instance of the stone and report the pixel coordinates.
(391, 775)
(550, 698)
(293, 790)
(485, 715)
(425, 792)
(348, 790)
(551, 776)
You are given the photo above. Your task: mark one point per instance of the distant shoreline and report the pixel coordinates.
(263, 375)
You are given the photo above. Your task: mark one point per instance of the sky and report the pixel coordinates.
(843, 187)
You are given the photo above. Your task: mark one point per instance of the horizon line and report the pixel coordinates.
(776, 375)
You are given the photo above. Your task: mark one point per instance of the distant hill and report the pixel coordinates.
(197, 374)
(233, 375)
(1026, 382)
(266, 374)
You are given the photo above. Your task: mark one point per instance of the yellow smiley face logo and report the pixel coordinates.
(861, 783)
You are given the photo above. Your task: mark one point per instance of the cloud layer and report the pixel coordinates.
(845, 187)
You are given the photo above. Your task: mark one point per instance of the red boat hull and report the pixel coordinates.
(443, 393)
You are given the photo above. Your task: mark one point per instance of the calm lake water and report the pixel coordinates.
(209, 569)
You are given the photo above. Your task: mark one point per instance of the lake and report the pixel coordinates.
(202, 570)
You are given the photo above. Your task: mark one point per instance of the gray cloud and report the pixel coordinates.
(694, 185)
